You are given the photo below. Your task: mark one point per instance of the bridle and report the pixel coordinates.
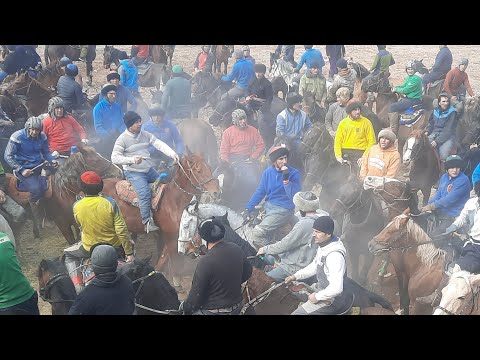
(414, 155)
(199, 184)
(402, 197)
(44, 292)
(472, 302)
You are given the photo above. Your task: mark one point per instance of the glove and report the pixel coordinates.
(39, 66)
(429, 207)
(55, 154)
(285, 174)
(176, 159)
(85, 141)
(246, 215)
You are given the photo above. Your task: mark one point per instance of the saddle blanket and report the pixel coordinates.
(126, 192)
(410, 119)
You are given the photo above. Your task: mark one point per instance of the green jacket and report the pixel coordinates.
(411, 88)
(316, 85)
(385, 59)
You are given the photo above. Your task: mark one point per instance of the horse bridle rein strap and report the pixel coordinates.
(52, 281)
(199, 185)
(474, 297)
(259, 298)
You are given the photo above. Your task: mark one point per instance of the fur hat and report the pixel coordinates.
(342, 63)
(344, 93)
(352, 105)
(107, 88)
(324, 224)
(387, 134)
(113, 75)
(211, 230)
(454, 161)
(306, 201)
(131, 118)
(277, 152)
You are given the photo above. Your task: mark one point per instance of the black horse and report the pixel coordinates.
(112, 55)
(203, 84)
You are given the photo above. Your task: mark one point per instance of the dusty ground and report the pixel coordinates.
(52, 242)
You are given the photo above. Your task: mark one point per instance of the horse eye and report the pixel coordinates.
(461, 298)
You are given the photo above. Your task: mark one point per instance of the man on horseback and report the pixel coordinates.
(330, 267)
(314, 82)
(411, 89)
(22, 58)
(243, 73)
(442, 126)
(442, 65)
(128, 74)
(140, 53)
(123, 95)
(310, 56)
(260, 94)
(334, 53)
(379, 72)
(177, 97)
(297, 249)
(109, 292)
(457, 85)
(70, 91)
(217, 282)
(204, 60)
(246, 54)
(345, 77)
(382, 159)
(160, 126)
(355, 135)
(62, 130)
(279, 184)
(337, 111)
(26, 153)
(131, 151)
(101, 221)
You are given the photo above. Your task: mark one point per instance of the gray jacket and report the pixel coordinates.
(335, 114)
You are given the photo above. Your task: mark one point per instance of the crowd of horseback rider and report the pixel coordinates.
(147, 149)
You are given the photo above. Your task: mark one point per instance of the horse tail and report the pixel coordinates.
(380, 300)
(359, 290)
(45, 54)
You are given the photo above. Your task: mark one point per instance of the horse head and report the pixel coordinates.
(222, 115)
(273, 58)
(460, 295)
(107, 56)
(55, 285)
(394, 234)
(350, 197)
(96, 162)
(361, 70)
(420, 67)
(416, 146)
(13, 107)
(197, 174)
(470, 121)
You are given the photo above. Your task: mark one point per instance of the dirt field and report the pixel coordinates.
(52, 242)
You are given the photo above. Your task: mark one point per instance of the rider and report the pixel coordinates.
(26, 152)
(279, 184)
(62, 130)
(442, 65)
(297, 249)
(314, 82)
(70, 91)
(334, 53)
(243, 73)
(457, 84)
(412, 90)
(22, 58)
(345, 77)
(131, 151)
(260, 94)
(177, 96)
(441, 127)
(101, 221)
(140, 53)
(160, 126)
(381, 65)
(310, 56)
(109, 292)
(382, 159)
(337, 111)
(204, 60)
(16, 292)
(217, 282)
(330, 267)
(128, 74)
(123, 95)
(355, 135)
(452, 194)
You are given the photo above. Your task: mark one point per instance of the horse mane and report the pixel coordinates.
(68, 174)
(472, 104)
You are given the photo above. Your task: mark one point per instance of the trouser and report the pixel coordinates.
(444, 149)
(233, 310)
(275, 217)
(470, 258)
(29, 306)
(35, 184)
(235, 93)
(73, 256)
(83, 51)
(13, 212)
(403, 104)
(247, 174)
(322, 307)
(278, 274)
(431, 77)
(333, 66)
(140, 182)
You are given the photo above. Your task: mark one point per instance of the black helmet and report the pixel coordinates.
(104, 258)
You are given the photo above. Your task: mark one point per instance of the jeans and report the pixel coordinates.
(3, 75)
(30, 306)
(444, 149)
(404, 104)
(140, 183)
(432, 77)
(278, 274)
(35, 184)
(274, 218)
(235, 93)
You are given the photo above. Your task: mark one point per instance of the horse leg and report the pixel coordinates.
(89, 73)
(367, 264)
(426, 191)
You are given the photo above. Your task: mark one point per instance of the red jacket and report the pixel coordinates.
(241, 142)
(63, 133)
(454, 79)
(143, 51)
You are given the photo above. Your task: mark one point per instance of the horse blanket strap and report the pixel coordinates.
(410, 120)
(126, 192)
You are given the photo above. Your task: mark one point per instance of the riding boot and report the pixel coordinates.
(394, 119)
(37, 215)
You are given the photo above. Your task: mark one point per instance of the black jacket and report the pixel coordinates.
(264, 90)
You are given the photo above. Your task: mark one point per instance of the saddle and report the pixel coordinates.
(143, 67)
(411, 115)
(22, 197)
(126, 192)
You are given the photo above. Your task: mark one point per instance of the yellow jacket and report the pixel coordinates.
(378, 162)
(100, 220)
(354, 134)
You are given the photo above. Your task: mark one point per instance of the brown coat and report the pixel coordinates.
(378, 162)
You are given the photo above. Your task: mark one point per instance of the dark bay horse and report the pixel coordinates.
(50, 74)
(192, 177)
(222, 54)
(310, 106)
(203, 84)
(162, 54)
(425, 168)
(112, 55)
(468, 127)
(56, 52)
(418, 263)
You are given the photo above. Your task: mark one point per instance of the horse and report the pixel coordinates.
(418, 263)
(460, 295)
(285, 69)
(203, 84)
(55, 285)
(359, 91)
(112, 55)
(279, 84)
(362, 218)
(49, 75)
(153, 75)
(222, 54)
(222, 115)
(153, 292)
(199, 137)
(32, 93)
(162, 54)
(192, 176)
(468, 128)
(313, 110)
(425, 168)
(54, 53)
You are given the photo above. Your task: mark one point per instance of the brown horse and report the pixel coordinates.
(32, 93)
(56, 52)
(222, 53)
(50, 74)
(192, 177)
(418, 263)
(162, 54)
(425, 168)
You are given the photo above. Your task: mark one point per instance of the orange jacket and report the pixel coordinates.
(378, 162)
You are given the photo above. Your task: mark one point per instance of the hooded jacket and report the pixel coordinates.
(128, 74)
(442, 124)
(378, 162)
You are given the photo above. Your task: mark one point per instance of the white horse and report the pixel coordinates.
(460, 295)
(284, 69)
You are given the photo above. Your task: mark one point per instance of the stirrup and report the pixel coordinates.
(150, 226)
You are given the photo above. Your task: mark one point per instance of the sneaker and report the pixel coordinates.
(150, 226)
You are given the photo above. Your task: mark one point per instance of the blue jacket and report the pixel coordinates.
(476, 174)
(443, 61)
(129, 75)
(108, 119)
(450, 202)
(71, 93)
(166, 132)
(442, 124)
(310, 56)
(292, 125)
(243, 72)
(23, 152)
(271, 186)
